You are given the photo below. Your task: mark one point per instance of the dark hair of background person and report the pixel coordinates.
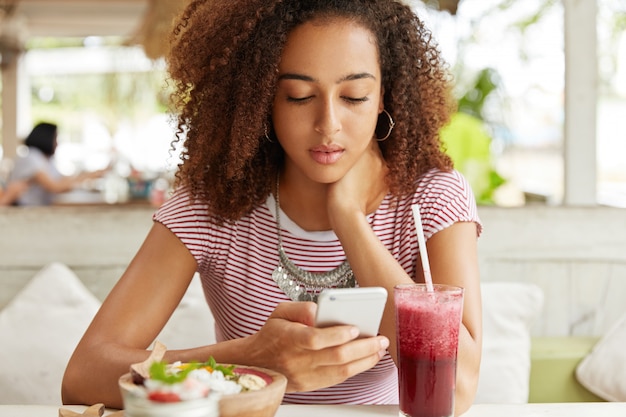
(223, 63)
(43, 137)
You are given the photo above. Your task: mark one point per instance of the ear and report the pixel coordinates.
(381, 102)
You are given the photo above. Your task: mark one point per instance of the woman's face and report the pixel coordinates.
(328, 98)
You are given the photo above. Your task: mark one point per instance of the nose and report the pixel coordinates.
(328, 121)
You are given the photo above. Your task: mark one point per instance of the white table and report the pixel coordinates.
(478, 410)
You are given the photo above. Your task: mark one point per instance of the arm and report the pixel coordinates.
(452, 255)
(130, 318)
(146, 295)
(453, 261)
(63, 184)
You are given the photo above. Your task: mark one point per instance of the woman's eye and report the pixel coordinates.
(356, 100)
(298, 99)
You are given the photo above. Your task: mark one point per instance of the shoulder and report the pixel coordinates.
(444, 198)
(436, 183)
(182, 213)
(27, 165)
(181, 208)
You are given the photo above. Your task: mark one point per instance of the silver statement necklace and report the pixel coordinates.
(301, 285)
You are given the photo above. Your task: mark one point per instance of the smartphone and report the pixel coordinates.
(361, 307)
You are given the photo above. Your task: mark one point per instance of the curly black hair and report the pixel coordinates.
(223, 63)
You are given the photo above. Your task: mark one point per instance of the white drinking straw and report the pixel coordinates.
(422, 245)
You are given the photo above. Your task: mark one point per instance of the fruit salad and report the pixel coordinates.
(188, 381)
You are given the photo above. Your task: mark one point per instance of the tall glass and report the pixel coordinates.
(427, 333)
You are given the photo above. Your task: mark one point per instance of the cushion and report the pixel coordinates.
(45, 321)
(192, 323)
(509, 310)
(603, 370)
(40, 328)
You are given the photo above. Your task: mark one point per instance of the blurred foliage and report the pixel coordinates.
(473, 101)
(468, 142)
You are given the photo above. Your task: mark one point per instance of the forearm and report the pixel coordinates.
(92, 373)
(468, 364)
(60, 185)
(373, 265)
(452, 254)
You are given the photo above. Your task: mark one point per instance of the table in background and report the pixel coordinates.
(606, 409)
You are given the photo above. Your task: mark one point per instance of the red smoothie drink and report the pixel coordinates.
(427, 326)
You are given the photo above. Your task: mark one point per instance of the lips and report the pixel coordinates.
(326, 154)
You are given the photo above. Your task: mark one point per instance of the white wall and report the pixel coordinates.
(576, 255)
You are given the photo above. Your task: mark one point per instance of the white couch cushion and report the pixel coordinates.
(509, 309)
(42, 325)
(603, 370)
(40, 328)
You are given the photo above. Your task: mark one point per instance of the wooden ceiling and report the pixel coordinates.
(144, 22)
(100, 17)
(77, 18)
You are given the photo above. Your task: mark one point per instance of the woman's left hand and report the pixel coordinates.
(363, 186)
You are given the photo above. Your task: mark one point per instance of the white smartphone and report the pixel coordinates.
(361, 307)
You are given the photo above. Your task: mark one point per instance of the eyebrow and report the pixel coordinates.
(350, 77)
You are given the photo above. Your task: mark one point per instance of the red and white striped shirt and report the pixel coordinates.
(236, 260)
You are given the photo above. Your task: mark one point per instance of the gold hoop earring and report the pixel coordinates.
(391, 126)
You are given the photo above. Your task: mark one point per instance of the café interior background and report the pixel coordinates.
(95, 67)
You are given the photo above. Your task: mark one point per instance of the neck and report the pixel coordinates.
(305, 204)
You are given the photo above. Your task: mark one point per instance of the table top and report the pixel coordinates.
(478, 410)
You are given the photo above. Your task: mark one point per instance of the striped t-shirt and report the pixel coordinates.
(236, 260)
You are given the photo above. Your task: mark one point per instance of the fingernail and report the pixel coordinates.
(354, 331)
(384, 343)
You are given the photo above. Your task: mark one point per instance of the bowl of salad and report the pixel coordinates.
(201, 389)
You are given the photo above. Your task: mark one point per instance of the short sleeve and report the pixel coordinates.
(26, 167)
(445, 198)
(189, 221)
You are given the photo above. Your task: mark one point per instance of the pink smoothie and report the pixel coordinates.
(428, 335)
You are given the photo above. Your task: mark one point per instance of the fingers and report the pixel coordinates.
(310, 357)
(308, 336)
(334, 365)
(299, 312)
(304, 335)
(312, 338)
(352, 351)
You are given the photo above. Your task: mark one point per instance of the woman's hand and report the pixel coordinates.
(312, 358)
(362, 188)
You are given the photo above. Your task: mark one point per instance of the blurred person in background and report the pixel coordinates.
(35, 179)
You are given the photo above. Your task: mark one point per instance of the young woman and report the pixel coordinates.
(310, 128)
